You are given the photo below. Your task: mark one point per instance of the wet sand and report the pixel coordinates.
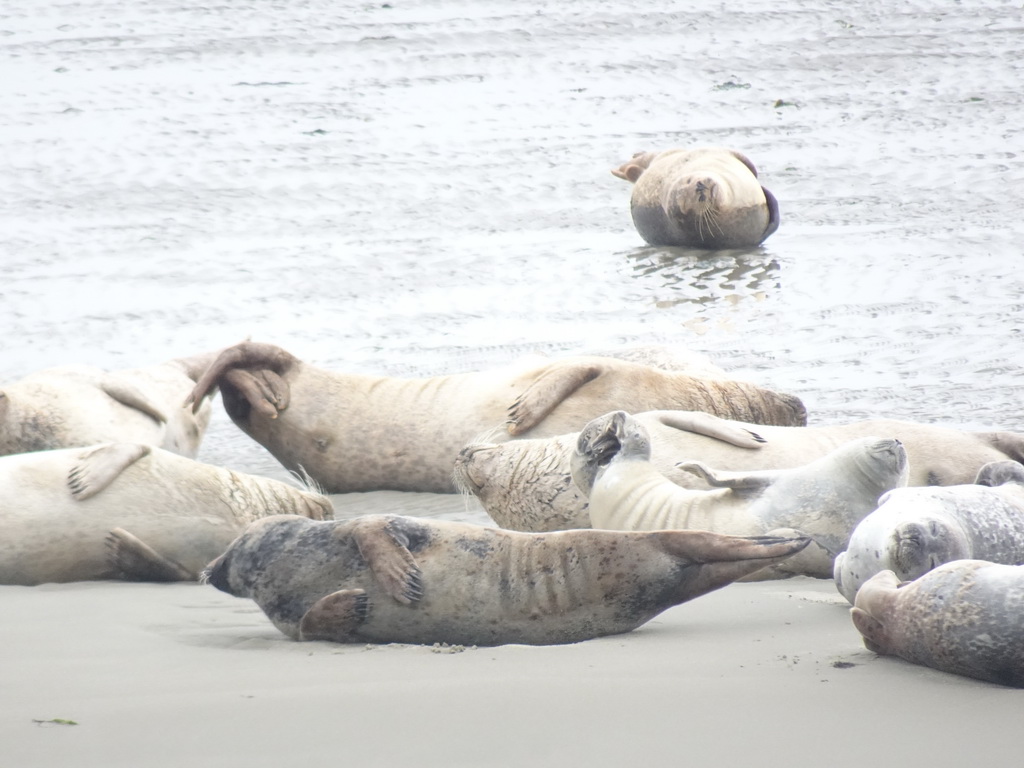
(422, 188)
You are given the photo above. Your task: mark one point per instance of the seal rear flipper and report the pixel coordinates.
(96, 468)
(814, 560)
(134, 560)
(773, 214)
(336, 616)
(131, 396)
(737, 481)
(386, 552)
(709, 425)
(245, 356)
(546, 392)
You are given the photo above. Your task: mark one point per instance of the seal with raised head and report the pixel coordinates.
(360, 433)
(965, 617)
(394, 579)
(78, 405)
(824, 499)
(916, 529)
(128, 511)
(527, 485)
(706, 197)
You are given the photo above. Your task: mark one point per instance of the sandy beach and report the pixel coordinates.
(423, 187)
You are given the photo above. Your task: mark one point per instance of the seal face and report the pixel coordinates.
(363, 433)
(824, 499)
(527, 485)
(387, 578)
(963, 617)
(707, 197)
(128, 511)
(916, 529)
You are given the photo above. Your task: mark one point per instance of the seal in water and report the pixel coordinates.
(79, 405)
(361, 433)
(526, 484)
(964, 617)
(394, 579)
(824, 499)
(707, 197)
(916, 529)
(128, 511)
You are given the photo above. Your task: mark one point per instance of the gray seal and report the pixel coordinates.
(128, 511)
(964, 617)
(916, 529)
(824, 499)
(361, 433)
(707, 197)
(77, 405)
(526, 484)
(394, 579)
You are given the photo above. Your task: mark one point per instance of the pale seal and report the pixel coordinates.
(707, 197)
(526, 484)
(824, 499)
(80, 405)
(965, 617)
(916, 529)
(360, 433)
(394, 579)
(128, 511)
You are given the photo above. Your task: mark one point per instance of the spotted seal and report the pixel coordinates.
(128, 511)
(394, 579)
(360, 433)
(706, 197)
(916, 529)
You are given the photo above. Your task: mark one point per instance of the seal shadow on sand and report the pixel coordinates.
(695, 276)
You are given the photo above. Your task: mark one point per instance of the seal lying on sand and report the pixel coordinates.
(80, 405)
(824, 499)
(964, 617)
(393, 579)
(708, 197)
(128, 511)
(916, 529)
(360, 433)
(526, 484)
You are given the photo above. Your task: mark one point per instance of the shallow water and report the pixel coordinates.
(417, 188)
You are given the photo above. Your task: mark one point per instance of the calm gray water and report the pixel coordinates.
(423, 187)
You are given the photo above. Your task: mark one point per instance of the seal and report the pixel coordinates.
(706, 197)
(77, 405)
(361, 433)
(128, 511)
(527, 485)
(824, 499)
(916, 529)
(964, 617)
(394, 579)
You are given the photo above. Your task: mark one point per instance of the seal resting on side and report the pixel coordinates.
(707, 197)
(128, 511)
(824, 499)
(394, 579)
(526, 484)
(78, 405)
(361, 433)
(964, 617)
(916, 529)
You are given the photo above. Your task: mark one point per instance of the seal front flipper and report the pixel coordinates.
(546, 392)
(335, 617)
(96, 468)
(709, 425)
(737, 481)
(128, 394)
(134, 560)
(385, 548)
